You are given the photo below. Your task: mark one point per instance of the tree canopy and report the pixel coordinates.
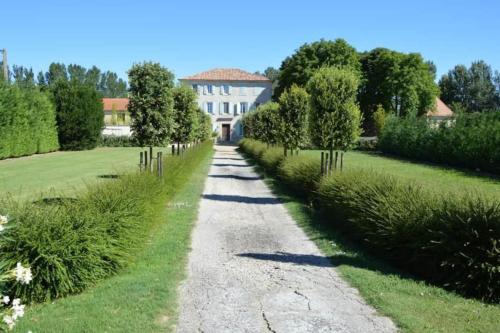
(299, 67)
(401, 83)
(334, 119)
(185, 114)
(151, 103)
(294, 106)
(473, 89)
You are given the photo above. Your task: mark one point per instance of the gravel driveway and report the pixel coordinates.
(252, 269)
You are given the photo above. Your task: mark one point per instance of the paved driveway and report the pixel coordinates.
(252, 269)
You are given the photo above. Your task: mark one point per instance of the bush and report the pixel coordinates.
(471, 141)
(271, 159)
(447, 238)
(27, 122)
(80, 116)
(73, 243)
(117, 141)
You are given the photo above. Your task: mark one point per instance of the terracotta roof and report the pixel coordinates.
(226, 74)
(441, 110)
(120, 104)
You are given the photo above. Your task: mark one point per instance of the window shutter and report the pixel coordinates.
(221, 108)
(205, 89)
(221, 89)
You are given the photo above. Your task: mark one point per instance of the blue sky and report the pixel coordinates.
(192, 36)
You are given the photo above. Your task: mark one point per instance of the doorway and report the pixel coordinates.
(226, 132)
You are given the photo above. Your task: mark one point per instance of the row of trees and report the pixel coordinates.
(325, 112)
(162, 112)
(392, 82)
(107, 83)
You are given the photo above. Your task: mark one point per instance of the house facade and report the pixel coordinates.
(116, 116)
(227, 94)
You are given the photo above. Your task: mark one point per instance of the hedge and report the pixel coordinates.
(470, 141)
(446, 238)
(27, 122)
(72, 243)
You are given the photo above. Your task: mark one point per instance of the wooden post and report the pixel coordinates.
(151, 155)
(178, 148)
(330, 161)
(173, 150)
(141, 160)
(158, 164)
(327, 169)
(145, 159)
(341, 160)
(322, 163)
(336, 158)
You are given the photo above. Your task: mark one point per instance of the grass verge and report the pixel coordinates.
(142, 298)
(413, 305)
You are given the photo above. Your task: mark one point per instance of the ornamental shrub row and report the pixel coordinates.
(446, 238)
(470, 141)
(27, 122)
(71, 243)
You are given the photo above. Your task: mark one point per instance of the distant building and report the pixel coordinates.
(116, 116)
(228, 93)
(440, 112)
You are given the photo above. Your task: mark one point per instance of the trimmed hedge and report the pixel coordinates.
(71, 243)
(471, 141)
(445, 238)
(27, 122)
(117, 141)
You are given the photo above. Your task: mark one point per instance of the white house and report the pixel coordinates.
(226, 94)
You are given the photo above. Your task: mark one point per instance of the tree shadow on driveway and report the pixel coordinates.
(236, 177)
(285, 257)
(243, 199)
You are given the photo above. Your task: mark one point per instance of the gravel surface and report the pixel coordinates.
(252, 269)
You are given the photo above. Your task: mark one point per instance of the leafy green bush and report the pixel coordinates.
(27, 122)
(447, 238)
(73, 243)
(471, 141)
(271, 158)
(80, 117)
(301, 173)
(117, 141)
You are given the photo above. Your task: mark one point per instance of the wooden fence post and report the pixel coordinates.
(145, 160)
(173, 150)
(327, 165)
(336, 158)
(322, 163)
(141, 160)
(158, 164)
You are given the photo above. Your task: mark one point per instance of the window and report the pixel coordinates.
(210, 89)
(121, 118)
(235, 109)
(195, 87)
(225, 89)
(243, 91)
(226, 107)
(210, 107)
(243, 107)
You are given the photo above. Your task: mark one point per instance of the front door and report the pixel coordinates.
(226, 132)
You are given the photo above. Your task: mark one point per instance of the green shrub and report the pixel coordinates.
(79, 113)
(301, 173)
(72, 243)
(27, 122)
(471, 141)
(271, 158)
(444, 238)
(117, 141)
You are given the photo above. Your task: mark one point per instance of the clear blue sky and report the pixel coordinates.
(192, 36)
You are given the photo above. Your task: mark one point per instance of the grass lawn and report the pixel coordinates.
(413, 305)
(434, 176)
(142, 298)
(64, 173)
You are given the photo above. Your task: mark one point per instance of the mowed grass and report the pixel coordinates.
(64, 173)
(432, 176)
(142, 298)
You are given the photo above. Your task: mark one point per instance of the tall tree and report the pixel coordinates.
(400, 83)
(335, 119)
(151, 103)
(23, 76)
(55, 73)
(299, 67)
(77, 73)
(185, 117)
(267, 123)
(294, 106)
(471, 88)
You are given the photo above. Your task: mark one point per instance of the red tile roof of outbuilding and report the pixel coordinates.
(441, 110)
(121, 104)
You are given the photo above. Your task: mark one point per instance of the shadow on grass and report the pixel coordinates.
(55, 201)
(110, 176)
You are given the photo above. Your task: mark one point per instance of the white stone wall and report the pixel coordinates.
(251, 92)
(117, 130)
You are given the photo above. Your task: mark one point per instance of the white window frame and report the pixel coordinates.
(225, 88)
(224, 106)
(243, 110)
(210, 107)
(210, 89)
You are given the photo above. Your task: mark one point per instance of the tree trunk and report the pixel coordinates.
(331, 160)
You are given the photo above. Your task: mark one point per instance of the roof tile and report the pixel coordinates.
(226, 74)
